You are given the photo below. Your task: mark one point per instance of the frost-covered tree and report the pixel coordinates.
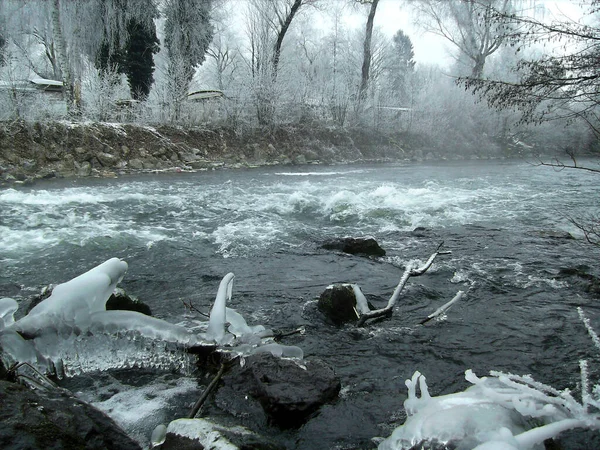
(3, 35)
(188, 33)
(400, 64)
(550, 86)
(367, 51)
(267, 24)
(468, 25)
(72, 98)
(224, 50)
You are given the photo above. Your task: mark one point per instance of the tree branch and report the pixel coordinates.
(409, 272)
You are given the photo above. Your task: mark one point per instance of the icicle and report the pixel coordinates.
(216, 322)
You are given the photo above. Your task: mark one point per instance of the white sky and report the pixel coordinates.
(393, 15)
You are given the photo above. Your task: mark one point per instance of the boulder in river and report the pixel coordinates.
(55, 420)
(122, 301)
(338, 303)
(365, 246)
(287, 392)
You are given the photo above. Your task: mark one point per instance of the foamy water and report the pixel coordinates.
(241, 212)
(180, 233)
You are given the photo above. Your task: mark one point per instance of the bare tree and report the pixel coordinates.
(468, 25)
(268, 22)
(367, 55)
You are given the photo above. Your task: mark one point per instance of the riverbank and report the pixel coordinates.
(30, 151)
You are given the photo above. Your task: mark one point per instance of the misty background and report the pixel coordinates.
(388, 67)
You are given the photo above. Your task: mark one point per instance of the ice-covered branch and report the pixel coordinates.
(492, 411)
(442, 309)
(409, 271)
(216, 322)
(588, 327)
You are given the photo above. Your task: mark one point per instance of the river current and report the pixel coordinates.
(506, 224)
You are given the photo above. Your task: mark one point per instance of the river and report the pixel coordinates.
(504, 222)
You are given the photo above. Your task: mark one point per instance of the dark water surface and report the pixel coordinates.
(180, 233)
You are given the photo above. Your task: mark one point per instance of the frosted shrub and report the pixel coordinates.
(100, 92)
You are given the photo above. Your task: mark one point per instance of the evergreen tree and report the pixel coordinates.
(188, 33)
(402, 62)
(139, 57)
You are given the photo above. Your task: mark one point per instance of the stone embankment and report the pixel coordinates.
(30, 151)
(65, 149)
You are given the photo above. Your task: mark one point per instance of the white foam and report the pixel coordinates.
(247, 236)
(320, 174)
(139, 409)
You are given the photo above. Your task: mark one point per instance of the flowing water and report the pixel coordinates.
(504, 222)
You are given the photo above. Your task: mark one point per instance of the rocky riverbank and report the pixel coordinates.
(30, 151)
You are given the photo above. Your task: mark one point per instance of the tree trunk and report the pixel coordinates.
(61, 53)
(366, 66)
(477, 71)
(284, 27)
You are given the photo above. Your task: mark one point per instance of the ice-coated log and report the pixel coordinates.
(242, 331)
(280, 351)
(8, 306)
(71, 303)
(17, 348)
(113, 322)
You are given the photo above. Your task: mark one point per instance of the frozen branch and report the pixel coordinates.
(442, 309)
(206, 392)
(409, 272)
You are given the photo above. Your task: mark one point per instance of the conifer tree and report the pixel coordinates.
(139, 57)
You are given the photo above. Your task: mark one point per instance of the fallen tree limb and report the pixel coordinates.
(409, 272)
(207, 391)
(278, 334)
(442, 309)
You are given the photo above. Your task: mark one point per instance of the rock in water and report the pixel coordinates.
(201, 434)
(355, 246)
(55, 420)
(120, 300)
(338, 303)
(288, 393)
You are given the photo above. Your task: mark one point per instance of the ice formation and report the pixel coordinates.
(8, 307)
(71, 332)
(72, 303)
(494, 414)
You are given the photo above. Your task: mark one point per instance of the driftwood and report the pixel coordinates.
(442, 309)
(409, 272)
(207, 391)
